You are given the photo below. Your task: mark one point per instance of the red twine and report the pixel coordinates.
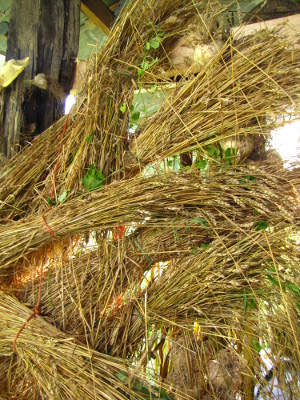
(119, 232)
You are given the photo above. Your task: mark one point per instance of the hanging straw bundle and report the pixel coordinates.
(236, 94)
(227, 234)
(229, 98)
(174, 200)
(217, 287)
(58, 366)
(96, 132)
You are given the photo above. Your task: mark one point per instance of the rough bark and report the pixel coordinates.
(47, 32)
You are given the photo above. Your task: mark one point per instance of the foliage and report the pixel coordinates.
(191, 268)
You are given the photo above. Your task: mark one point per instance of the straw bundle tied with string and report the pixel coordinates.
(57, 365)
(159, 201)
(230, 97)
(246, 259)
(227, 235)
(215, 287)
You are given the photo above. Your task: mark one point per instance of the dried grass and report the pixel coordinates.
(172, 200)
(57, 365)
(229, 236)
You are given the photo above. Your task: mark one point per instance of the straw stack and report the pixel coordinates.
(193, 269)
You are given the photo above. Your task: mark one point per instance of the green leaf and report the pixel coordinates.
(175, 235)
(204, 246)
(249, 302)
(185, 168)
(135, 116)
(93, 179)
(148, 64)
(230, 154)
(278, 334)
(153, 89)
(155, 42)
(252, 303)
(273, 280)
(194, 251)
(122, 376)
(250, 178)
(63, 196)
(212, 150)
(255, 345)
(3, 27)
(200, 221)
(89, 138)
(260, 225)
(164, 395)
(123, 108)
(293, 288)
(141, 72)
(148, 46)
(51, 202)
(201, 164)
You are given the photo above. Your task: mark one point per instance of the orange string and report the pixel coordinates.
(48, 227)
(37, 308)
(37, 311)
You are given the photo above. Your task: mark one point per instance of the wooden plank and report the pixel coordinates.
(79, 76)
(51, 41)
(99, 13)
(290, 27)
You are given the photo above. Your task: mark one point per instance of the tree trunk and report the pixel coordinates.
(48, 32)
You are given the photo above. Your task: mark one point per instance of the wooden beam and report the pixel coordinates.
(99, 13)
(290, 27)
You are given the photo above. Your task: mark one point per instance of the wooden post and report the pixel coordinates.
(47, 32)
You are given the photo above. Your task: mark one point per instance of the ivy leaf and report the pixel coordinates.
(89, 138)
(250, 178)
(273, 280)
(212, 151)
(260, 225)
(93, 179)
(201, 164)
(204, 246)
(249, 302)
(155, 42)
(200, 221)
(135, 116)
(148, 64)
(175, 235)
(51, 202)
(293, 288)
(141, 72)
(123, 108)
(63, 196)
(153, 89)
(255, 345)
(230, 154)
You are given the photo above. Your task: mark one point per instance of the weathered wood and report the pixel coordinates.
(271, 9)
(11, 117)
(290, 27)
(47, 32)
(99, 13)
